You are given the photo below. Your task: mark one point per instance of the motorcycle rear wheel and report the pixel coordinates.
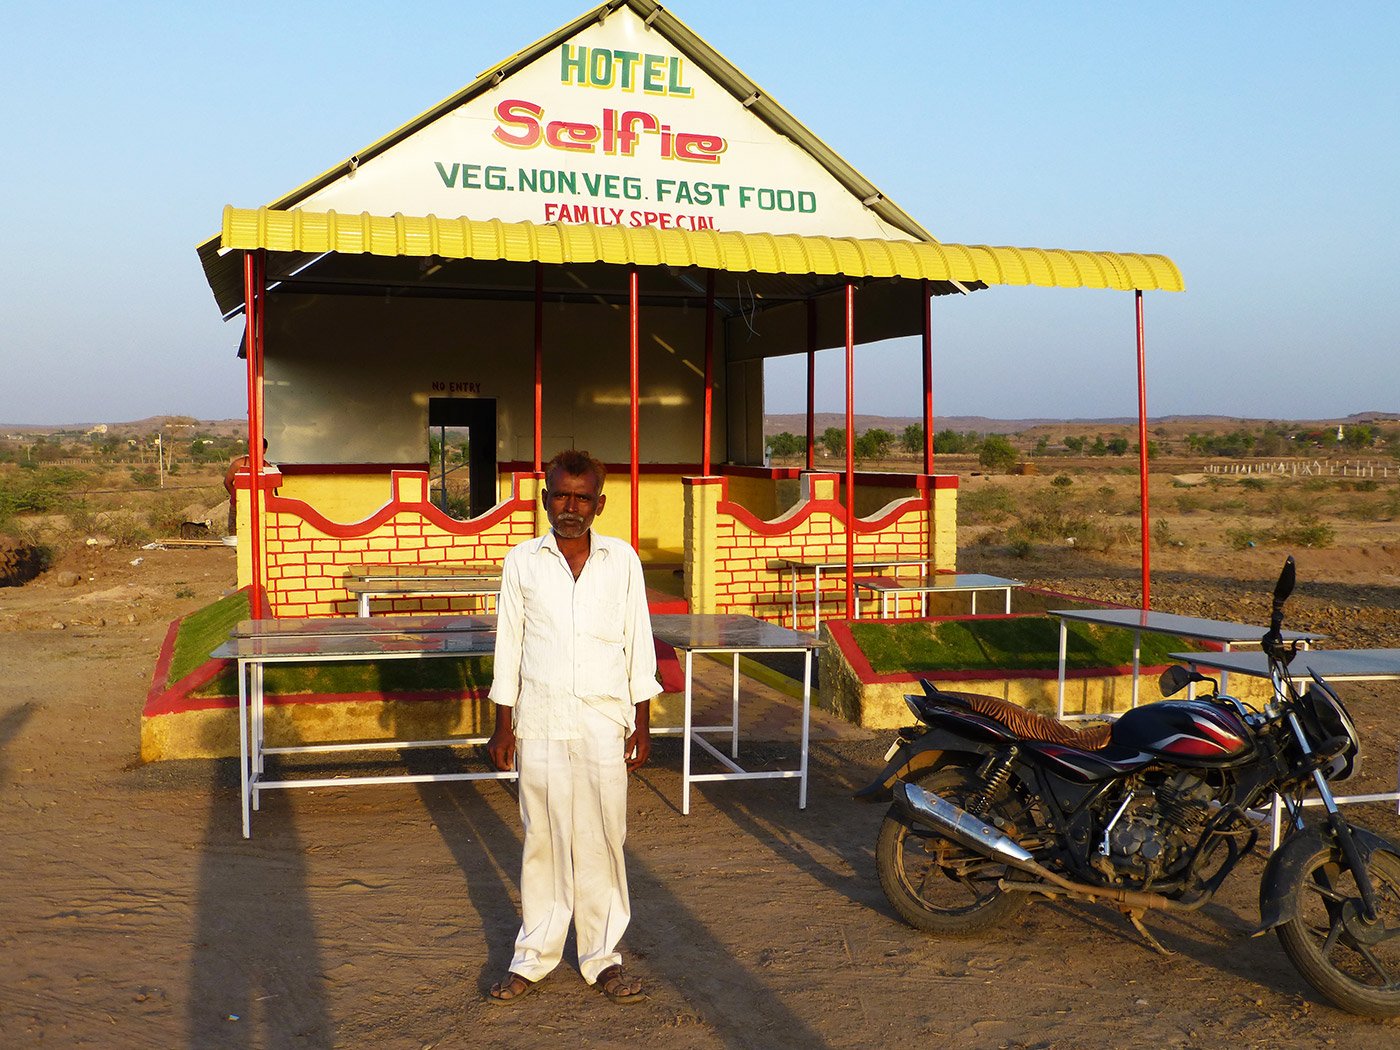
(1353, 963)
(938, 885)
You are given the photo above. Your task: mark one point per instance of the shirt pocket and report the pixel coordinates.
(600, 618)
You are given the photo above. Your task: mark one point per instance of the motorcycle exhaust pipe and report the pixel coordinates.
(962, 827)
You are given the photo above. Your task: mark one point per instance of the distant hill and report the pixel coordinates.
(790, 422)
(796, 422)
(132, 428)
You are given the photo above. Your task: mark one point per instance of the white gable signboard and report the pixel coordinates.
(613, 127)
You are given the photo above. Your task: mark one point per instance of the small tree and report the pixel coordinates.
(1074, 444)
(834, 441)
(997, 453)
(874, 443)
(913, 438)
(786, 444)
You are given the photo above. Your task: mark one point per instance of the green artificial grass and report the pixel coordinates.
(389, 676)
(205, 630)
(1017, 644)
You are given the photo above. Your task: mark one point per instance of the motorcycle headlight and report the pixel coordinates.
(1325, 718)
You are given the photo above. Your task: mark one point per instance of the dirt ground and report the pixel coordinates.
(135, 914)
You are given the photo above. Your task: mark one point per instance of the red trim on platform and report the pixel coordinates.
(841, 635)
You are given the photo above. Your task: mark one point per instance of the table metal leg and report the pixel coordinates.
(734, 711)
(259, 703)
(685, 734)
(364, 604)
(817, 600)
(243, 757)
(1224, 674)
(1008, 601)
(1137, 657)
(974, 603)
(794, 599)
(1060, 689)
(806, 723)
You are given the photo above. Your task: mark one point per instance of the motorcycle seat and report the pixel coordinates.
(1030, 726)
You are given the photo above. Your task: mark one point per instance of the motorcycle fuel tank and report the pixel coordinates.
(1189, 732)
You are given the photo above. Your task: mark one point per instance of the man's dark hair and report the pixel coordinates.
(576, 462)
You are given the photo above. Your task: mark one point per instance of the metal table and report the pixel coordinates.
(937, 583)
(733, 635)
(391, 581)
(1141, 621)
(800, 566)
(337, 626)
(1336, 665)
(329, 640)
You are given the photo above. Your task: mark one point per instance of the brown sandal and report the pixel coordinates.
(620, 986)
(507, 991)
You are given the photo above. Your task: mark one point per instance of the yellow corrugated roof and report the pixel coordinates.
(402, 235)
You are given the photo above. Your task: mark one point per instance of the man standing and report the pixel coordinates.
(575, 672)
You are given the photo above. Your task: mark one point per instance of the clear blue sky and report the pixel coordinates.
(1258, 145)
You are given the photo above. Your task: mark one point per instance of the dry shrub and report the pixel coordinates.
(988, 504)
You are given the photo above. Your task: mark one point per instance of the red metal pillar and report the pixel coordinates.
(1142, 456)
(254, 290)
(709, 370)
(928, 376)
(539, 365)
(811, 382)
(634, 380)
(850, 449)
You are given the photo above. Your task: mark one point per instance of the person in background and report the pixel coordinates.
(237, 464)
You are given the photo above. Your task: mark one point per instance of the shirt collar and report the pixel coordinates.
(547, 542)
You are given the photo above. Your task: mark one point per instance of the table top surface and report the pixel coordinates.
(485, 570)
(809, 565)
(1170, 623)
(350, 636)
(333, 626)
(423, 584)
(727, 632)
(383, 645)
(939, 581)
(1338, 664)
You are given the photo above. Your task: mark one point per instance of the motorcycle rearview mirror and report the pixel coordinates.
(1282, 590)
(1176, 678)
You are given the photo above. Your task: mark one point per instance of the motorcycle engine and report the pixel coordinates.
(1154, 835)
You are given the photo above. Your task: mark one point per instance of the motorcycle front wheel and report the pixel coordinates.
(1354, 963)
(938, 885)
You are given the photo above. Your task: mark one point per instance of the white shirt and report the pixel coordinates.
(561, 642)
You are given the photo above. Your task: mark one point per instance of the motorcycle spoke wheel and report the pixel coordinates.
(937, 885)
(1355, 963)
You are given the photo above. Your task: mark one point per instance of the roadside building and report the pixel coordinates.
(597, 243)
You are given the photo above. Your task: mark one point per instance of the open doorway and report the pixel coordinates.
(462, 454)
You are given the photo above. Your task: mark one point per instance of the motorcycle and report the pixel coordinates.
(991, 803)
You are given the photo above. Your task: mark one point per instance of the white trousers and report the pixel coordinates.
(573, 803)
